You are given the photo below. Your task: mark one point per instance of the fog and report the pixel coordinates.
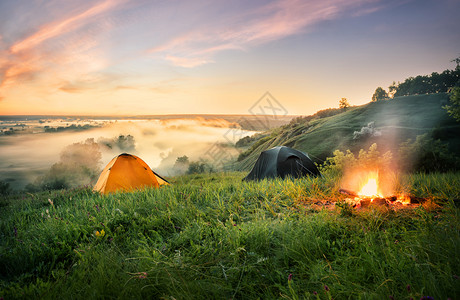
(26, 156)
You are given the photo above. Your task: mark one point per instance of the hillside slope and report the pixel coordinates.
(394, 121)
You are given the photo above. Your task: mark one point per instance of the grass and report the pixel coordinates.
(213, 236)
(397, 120)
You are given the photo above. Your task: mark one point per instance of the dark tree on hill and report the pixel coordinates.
(454, 107)
(379, 95)
(428, 84)
(343, 104)
(457, 61)
(392, 89)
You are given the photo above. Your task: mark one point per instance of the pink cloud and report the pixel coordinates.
(46, 54)
(271, 22)
(60, 27)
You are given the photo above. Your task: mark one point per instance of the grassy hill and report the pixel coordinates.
(396, 120)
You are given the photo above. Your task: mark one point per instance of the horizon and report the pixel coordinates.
(125, 57)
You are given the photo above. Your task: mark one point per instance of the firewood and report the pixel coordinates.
(347, 192)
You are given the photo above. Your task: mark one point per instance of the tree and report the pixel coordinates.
(182, 164)
(457, 61)
(79, 165)
(454, 108)
(182, 160)
(392, 89)
(379, 94)
(196, 167)
(343, 104)
(126, 143)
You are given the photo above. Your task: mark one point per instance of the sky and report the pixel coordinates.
(146, 57)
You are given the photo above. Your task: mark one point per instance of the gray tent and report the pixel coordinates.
(282, 161)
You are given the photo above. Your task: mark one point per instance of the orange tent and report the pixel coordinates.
(127, 172)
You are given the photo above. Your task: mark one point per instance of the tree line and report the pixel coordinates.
(422, 84)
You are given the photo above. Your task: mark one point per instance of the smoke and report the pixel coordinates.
(25, 157)
(367, 132)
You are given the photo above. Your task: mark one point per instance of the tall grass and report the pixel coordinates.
(214, 236)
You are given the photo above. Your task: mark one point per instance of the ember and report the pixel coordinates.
(362, 202)
(370, 194)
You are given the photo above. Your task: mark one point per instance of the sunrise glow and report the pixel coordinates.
(130, 57)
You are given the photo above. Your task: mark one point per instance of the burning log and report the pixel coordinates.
(366, 201)
(347, 192)
(370, 194)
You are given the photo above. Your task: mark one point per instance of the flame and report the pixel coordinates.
(403, 199)
(370, 187)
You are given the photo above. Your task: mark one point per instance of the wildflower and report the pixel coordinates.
(408, 287)
(392, 298)
(100, 234)
(315, 293)
(142, 275)
(97, 207)
(326, 288)
(427, 298)
(290, 277)
(15, 232)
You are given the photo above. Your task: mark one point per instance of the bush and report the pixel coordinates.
(197, 167)
(371, 159)
(454, 108)
(5, 188)
(244, 142)
(426, 155)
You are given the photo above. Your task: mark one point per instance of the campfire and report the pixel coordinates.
(370, 193)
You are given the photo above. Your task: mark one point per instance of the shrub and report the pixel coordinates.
(426, 155)
(370, 159)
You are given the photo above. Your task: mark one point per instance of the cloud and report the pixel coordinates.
(260, 25)
(61, 27)
(167, 86)
(58, 51)
(74, 88)
(187, 62)
(126, 87)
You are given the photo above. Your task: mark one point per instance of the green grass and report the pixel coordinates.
(213, 236)
(397, 119)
